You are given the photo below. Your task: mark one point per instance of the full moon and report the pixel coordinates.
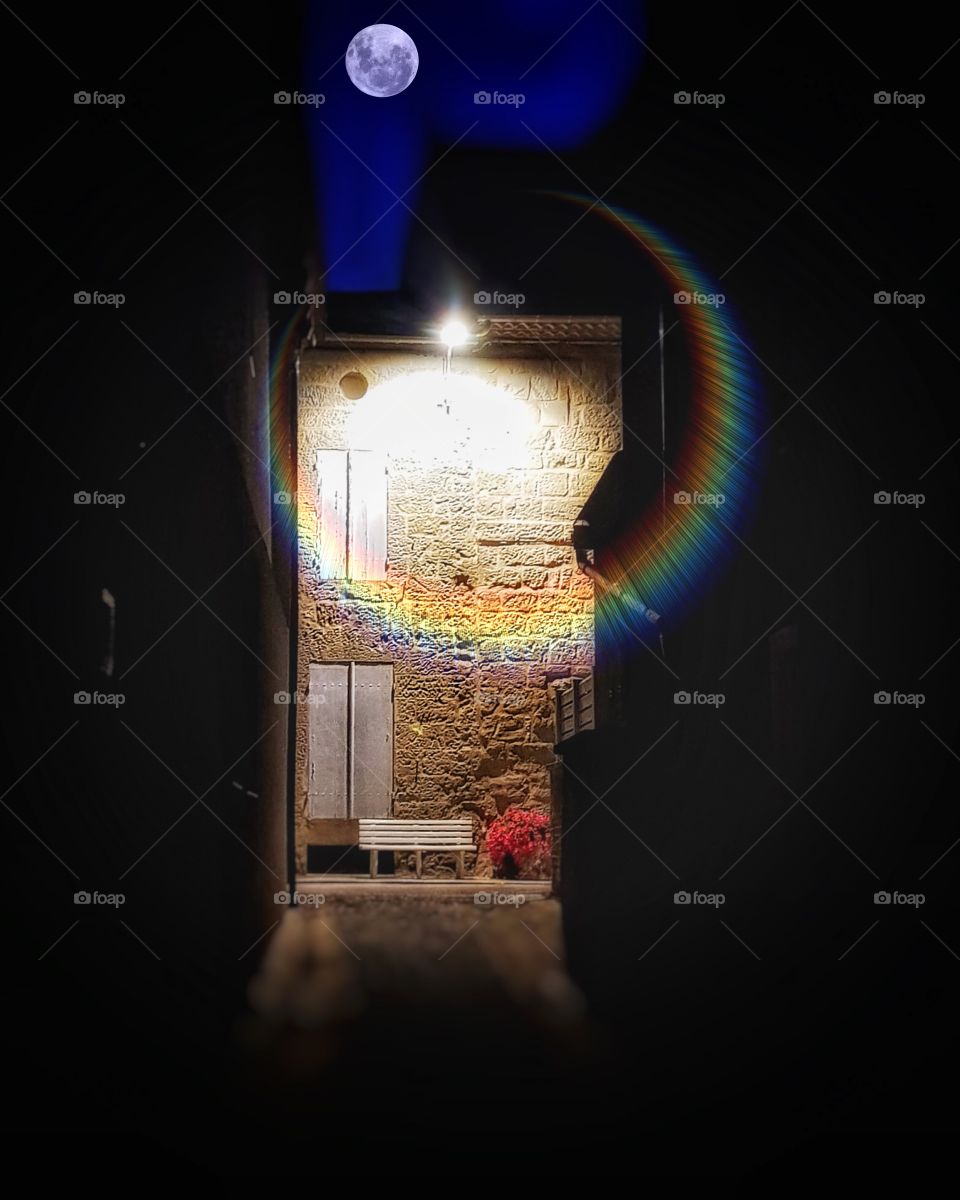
(382, 60)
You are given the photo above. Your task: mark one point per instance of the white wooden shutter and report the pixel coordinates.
(331, 550)
(350, 768)
(328, 707)
(368, 515)
(372, 739)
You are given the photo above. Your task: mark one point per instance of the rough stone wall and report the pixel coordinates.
(483, 605)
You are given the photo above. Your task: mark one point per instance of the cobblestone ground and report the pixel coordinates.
(325, 965)
(398, 1020)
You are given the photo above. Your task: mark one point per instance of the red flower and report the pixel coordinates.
(519, 842)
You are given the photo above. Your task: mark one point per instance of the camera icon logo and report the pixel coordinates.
(82, 298)
(82, 498)
(881, 897)
(682, 497)
(881, 697)
(282, 297)
(82, 698)
(82, 98)
(681, 897)
(281, 897)
(882, 98)
(882, 498)
(281, 497)
(682, 297)
(481, 98)
(482, 298)
(483, 898)
(282, 98)
(281, 697)
(681, 697)
(82, 898)
(682, 98)
(882, 298)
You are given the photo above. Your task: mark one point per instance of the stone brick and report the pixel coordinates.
(564, 458)
(599, 417)
(577, 437)
(554, 483)
(554, 412)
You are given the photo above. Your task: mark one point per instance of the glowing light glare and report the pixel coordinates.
(666, 562)
(429, 416)
(454, 333)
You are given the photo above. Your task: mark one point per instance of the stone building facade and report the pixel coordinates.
(436, 499)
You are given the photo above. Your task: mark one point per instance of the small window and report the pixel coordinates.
(573, 707)
(351, 514)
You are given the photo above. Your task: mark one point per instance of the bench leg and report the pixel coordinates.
(419, 863)
(373, 864)
(459, 864)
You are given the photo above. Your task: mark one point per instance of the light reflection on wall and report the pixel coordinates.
(480, 574)
(432, 417)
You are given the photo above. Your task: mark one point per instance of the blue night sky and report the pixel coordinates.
(573, 71)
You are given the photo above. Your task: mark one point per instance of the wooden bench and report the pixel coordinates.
(453, 836)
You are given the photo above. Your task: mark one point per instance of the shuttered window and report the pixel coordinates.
(332, 514)
(351, 489)
(350, 772)
(573, 707)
